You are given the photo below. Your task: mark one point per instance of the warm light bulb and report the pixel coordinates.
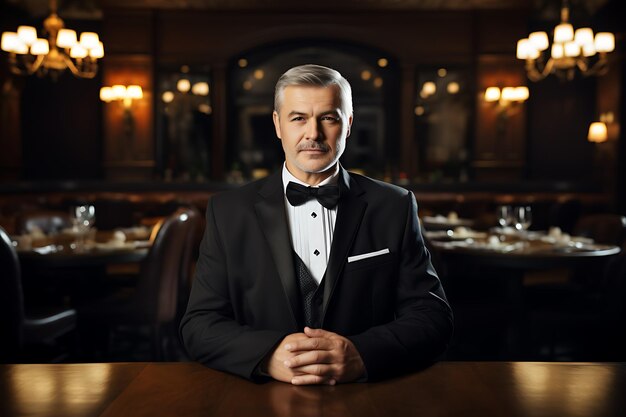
(557, 51)
(10, 41)
(200, 89)
(382, 62)
(66, 38)
(167, 97)
(597, 132)
(605, 42)
(589, 49)
(583, 36)
(521, 93)
(492, 94)
(183, 85)
(563, 33)
(106, 94)
(89, 40)
(429, 88)
(119, 92)
(134, 92)
(453, 87)
(508, 94)
(27, 34)
(97, 52)
(78, 51)
(539, 40)
(523, 49)
(40, 47)
(572, 49)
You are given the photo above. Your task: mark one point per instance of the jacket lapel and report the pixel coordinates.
(271, 214)
(349, 215)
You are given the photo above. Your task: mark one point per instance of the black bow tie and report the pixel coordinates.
(327, 195)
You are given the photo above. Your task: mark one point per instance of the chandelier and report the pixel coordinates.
(29, 54)
(570, 50)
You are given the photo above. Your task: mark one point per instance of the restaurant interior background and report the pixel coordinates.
(419, 71)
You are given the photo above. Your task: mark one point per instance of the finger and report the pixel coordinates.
(312, 380)
(309, 358)
(318, 332)
(313, 343)
(325, 370)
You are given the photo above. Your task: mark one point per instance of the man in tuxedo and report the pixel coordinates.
(315, 275)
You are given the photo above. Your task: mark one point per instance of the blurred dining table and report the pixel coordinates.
(56, 267)
(459, 389)
(504, 257)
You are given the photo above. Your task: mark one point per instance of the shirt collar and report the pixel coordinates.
(288, 176)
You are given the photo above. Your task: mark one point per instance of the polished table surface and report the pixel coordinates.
(189, 389)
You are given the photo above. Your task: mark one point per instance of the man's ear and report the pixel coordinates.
(276, 119)
(349, 126)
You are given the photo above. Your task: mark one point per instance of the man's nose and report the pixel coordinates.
(312, 130)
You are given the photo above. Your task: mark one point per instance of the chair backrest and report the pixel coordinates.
(11, 298)
(190, 254)
(609, 229)
(157, 289)
(46, 221)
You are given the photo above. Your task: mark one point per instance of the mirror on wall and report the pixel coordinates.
(184, 123)
(442, 123)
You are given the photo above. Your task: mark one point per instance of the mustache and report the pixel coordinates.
(313, 146)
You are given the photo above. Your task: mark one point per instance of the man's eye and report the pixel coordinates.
(297, 119)
(330, 119)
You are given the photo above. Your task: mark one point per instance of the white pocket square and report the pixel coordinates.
(367, 255)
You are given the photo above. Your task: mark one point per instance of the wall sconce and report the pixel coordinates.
(125, 94)
(507, 98)
(121, 92)
(597, 132)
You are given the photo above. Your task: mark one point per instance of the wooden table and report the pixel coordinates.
(188, 389)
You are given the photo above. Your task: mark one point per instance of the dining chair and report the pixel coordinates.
(584, 325)
(195, 229)
(27, 334)
(153, 302)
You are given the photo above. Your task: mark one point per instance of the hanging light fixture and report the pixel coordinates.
(570, 50)
(29, 54)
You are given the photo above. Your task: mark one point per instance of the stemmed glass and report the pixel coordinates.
(523, 218)
(84, 217)
(505, 216)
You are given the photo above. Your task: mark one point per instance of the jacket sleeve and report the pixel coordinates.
(209, 330)
(423, 322)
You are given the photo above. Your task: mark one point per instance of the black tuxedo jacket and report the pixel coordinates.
(245, 297)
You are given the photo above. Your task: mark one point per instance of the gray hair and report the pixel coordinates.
(314, 76)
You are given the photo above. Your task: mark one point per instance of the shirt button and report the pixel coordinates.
(314, 214)
(316, 252)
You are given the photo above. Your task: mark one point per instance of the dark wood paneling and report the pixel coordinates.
(500, 144)
(129, 154)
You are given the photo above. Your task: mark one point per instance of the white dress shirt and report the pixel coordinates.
(311, 226)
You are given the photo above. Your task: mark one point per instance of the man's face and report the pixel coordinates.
(313, 129)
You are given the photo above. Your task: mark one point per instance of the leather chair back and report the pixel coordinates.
(11, 298)
(157, 289)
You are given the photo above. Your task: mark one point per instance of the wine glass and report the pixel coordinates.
(505, 216)
(523, 218)
(84, 217)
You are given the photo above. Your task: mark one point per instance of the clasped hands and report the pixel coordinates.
(315, 357)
